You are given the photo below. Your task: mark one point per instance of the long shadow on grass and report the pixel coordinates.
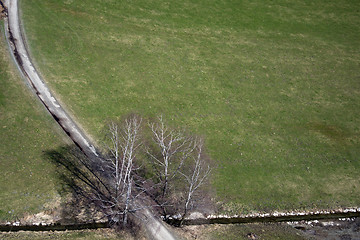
(81, 182)
(76, 181)
(81, 185)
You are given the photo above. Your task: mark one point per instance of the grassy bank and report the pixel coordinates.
(27, 181)
(268, 231)
(274, 87)
(66, 235)
(214, 231)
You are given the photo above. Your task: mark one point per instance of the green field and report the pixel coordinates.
(273, 86)
(27, 181)
(270, 231)
(212, 231)
(66, 235)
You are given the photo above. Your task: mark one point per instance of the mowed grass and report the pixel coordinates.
(269, 231)
(209, 232)
(27, 181)
(273, 86)
(65, 235)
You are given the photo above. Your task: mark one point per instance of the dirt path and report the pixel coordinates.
(14, 35)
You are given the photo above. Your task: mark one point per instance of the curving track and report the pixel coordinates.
(14, 35)
(15, 39)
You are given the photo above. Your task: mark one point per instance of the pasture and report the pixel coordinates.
(28, 183)
(273, 86)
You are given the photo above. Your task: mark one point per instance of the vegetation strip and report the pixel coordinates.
(267, 217)
(15, 227)
(220, 219)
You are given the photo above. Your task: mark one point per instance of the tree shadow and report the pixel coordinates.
(73, 170)
(85, 186)
(81, 181)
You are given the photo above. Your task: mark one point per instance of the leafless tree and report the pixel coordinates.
(119, 168)
(199, 171)
(172, 148)
(178, 160)
(115, 182)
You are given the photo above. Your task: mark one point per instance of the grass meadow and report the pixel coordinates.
(269, 231)
(273, 86)
(209, 232)
(27, 180)
(99, 234)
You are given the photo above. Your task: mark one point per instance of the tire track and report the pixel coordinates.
(20, 53)
(15, 38)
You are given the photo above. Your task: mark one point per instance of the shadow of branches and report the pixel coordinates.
(154, 167)
(84, 186)
(76, 182)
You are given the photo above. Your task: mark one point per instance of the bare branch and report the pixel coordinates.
(196, 177)
(173, 147)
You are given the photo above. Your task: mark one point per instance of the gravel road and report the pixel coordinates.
(154, 227)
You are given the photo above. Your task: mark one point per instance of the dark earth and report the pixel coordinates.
(337, 229)
(3, 12)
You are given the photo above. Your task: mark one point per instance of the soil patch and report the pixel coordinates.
(337, 229)
(3, 10)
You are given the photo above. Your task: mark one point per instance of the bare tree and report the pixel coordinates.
(178, 160)
(115, 181)
(199, 171)
(119, 169)
(172, 148)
